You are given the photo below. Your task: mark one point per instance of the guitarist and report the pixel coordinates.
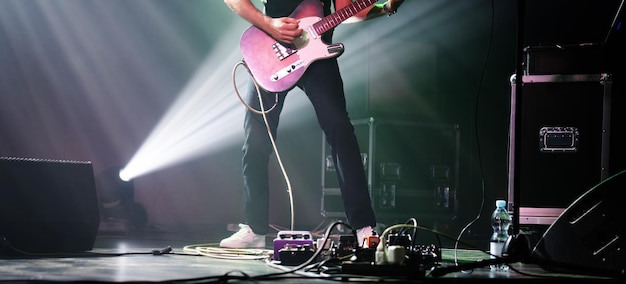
(323, 85)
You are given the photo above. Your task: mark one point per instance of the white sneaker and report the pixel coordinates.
(363, 233)
(244, 238)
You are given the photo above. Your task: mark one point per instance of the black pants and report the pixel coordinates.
(323, 86)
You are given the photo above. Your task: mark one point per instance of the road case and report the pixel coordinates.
(412, 169)
(558, 142)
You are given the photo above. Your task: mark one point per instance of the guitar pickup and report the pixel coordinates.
(282, 51)
(282, 73)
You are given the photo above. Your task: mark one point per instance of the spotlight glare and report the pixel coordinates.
(124, 175)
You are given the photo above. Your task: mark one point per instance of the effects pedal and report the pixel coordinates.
(295, 254)
(293, 242)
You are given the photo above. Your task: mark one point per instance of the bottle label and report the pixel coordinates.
(495, 248)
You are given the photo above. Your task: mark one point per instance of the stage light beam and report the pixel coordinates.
(205, 117)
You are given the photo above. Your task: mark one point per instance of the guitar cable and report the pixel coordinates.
(264, 113)
(256, 85)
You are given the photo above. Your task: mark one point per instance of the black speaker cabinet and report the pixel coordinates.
(47, 206)
(559, 142)
(589, 236)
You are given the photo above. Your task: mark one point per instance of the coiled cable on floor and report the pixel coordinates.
(227, 253)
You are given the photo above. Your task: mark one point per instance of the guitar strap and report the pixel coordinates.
(282, 8)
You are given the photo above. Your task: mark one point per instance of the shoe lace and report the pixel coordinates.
(243, 231)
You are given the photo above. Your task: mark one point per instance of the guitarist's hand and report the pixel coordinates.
(393, 5)
(284, 29)
(388, 8)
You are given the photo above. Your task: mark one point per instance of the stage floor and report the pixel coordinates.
(135, 257)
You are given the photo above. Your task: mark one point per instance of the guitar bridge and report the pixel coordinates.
(282, 51)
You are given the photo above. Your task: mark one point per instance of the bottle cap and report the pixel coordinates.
(501, 203)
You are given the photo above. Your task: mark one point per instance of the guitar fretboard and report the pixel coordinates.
(341, 15)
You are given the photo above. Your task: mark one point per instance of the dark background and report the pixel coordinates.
(89, 80)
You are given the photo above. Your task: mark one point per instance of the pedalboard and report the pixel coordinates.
(415, 262)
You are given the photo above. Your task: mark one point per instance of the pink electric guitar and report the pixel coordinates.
(278, 66)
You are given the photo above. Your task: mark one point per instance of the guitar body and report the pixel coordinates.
(277, 66)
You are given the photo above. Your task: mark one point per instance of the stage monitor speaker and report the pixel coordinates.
(588, 237)
(47, 206)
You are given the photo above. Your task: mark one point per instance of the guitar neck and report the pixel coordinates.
(341, 15)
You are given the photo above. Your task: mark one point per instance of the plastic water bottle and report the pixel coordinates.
(500, 222)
